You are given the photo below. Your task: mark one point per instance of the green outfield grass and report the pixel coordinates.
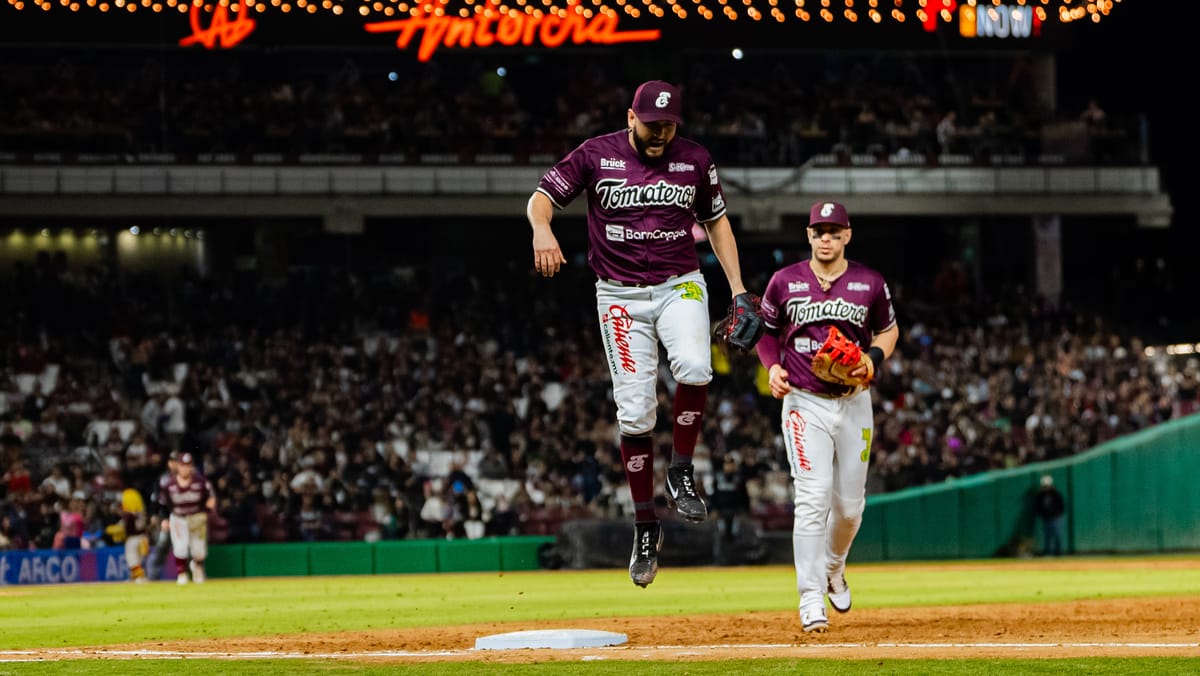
(65, 616)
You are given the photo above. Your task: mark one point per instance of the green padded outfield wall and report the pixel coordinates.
(1177, 489)
(1135, 494)
(501, 554)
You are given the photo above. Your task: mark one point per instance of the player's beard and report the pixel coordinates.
(642, 145)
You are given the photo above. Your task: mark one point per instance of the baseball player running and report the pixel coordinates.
(827, 426)
(186, 499)
(646, 187)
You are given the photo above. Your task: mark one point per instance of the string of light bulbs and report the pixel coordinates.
(809, 11)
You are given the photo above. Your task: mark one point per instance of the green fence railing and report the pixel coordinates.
(1135, 494)
(502, 554)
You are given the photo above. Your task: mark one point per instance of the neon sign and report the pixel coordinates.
(491, 26)
(990, 21)
(221, 33)
(999, 21)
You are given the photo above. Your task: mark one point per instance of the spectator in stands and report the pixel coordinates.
(308, 481)
(173, 417)
(1093, 115)
(70, 523)
(492, 465)
(383, 513)
(309, 519)
(503, 518)
(435, 514)
(240, 510)
(152, 414)
(947, 132)
(17, 480)
(57, 481)
(7, 541)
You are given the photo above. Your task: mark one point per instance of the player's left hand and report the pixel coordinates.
(842, 362)
(742, 326)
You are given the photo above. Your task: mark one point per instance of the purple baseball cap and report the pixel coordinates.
(655, 101)
(828, 212)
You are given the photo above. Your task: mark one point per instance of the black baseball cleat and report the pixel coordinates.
(643, 563)
(681, 493)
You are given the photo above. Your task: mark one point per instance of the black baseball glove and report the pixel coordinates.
(742, 325)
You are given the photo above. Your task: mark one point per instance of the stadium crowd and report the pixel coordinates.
(766, 109)
(354, 406)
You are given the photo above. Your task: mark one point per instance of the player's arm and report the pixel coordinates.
(882, 346)
(883, 343)
(770, 347)
(887, 339)
(547, 255)
(164, 511)
(724, 245)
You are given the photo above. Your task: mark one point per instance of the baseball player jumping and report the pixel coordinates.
(646, 188)
(829, 326)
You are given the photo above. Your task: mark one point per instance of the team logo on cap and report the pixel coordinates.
(663, 100)
(827, 209)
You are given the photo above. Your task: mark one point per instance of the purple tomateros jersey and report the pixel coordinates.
(190, 499)
(640, 215)
(795, 309)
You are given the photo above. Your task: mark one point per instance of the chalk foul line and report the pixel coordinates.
(33, 655)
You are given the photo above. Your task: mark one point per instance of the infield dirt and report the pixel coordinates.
(1128, 627)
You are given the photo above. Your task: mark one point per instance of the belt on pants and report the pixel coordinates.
(640, 285)
(830, 395)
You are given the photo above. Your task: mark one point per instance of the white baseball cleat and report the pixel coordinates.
(182, 578)
(839, 594)
(813, 620)
(197, 573)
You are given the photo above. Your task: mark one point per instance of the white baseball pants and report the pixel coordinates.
(828, 445)
(633, 319)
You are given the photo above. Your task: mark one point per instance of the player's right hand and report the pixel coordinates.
(547, 255)
(777, 378)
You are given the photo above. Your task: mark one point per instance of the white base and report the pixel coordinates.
(550, 638)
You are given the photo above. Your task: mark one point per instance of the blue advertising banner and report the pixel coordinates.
(54, 566)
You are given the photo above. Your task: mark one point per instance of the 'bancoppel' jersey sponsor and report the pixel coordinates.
(640, 216)
(795, 308)
(190, 499)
